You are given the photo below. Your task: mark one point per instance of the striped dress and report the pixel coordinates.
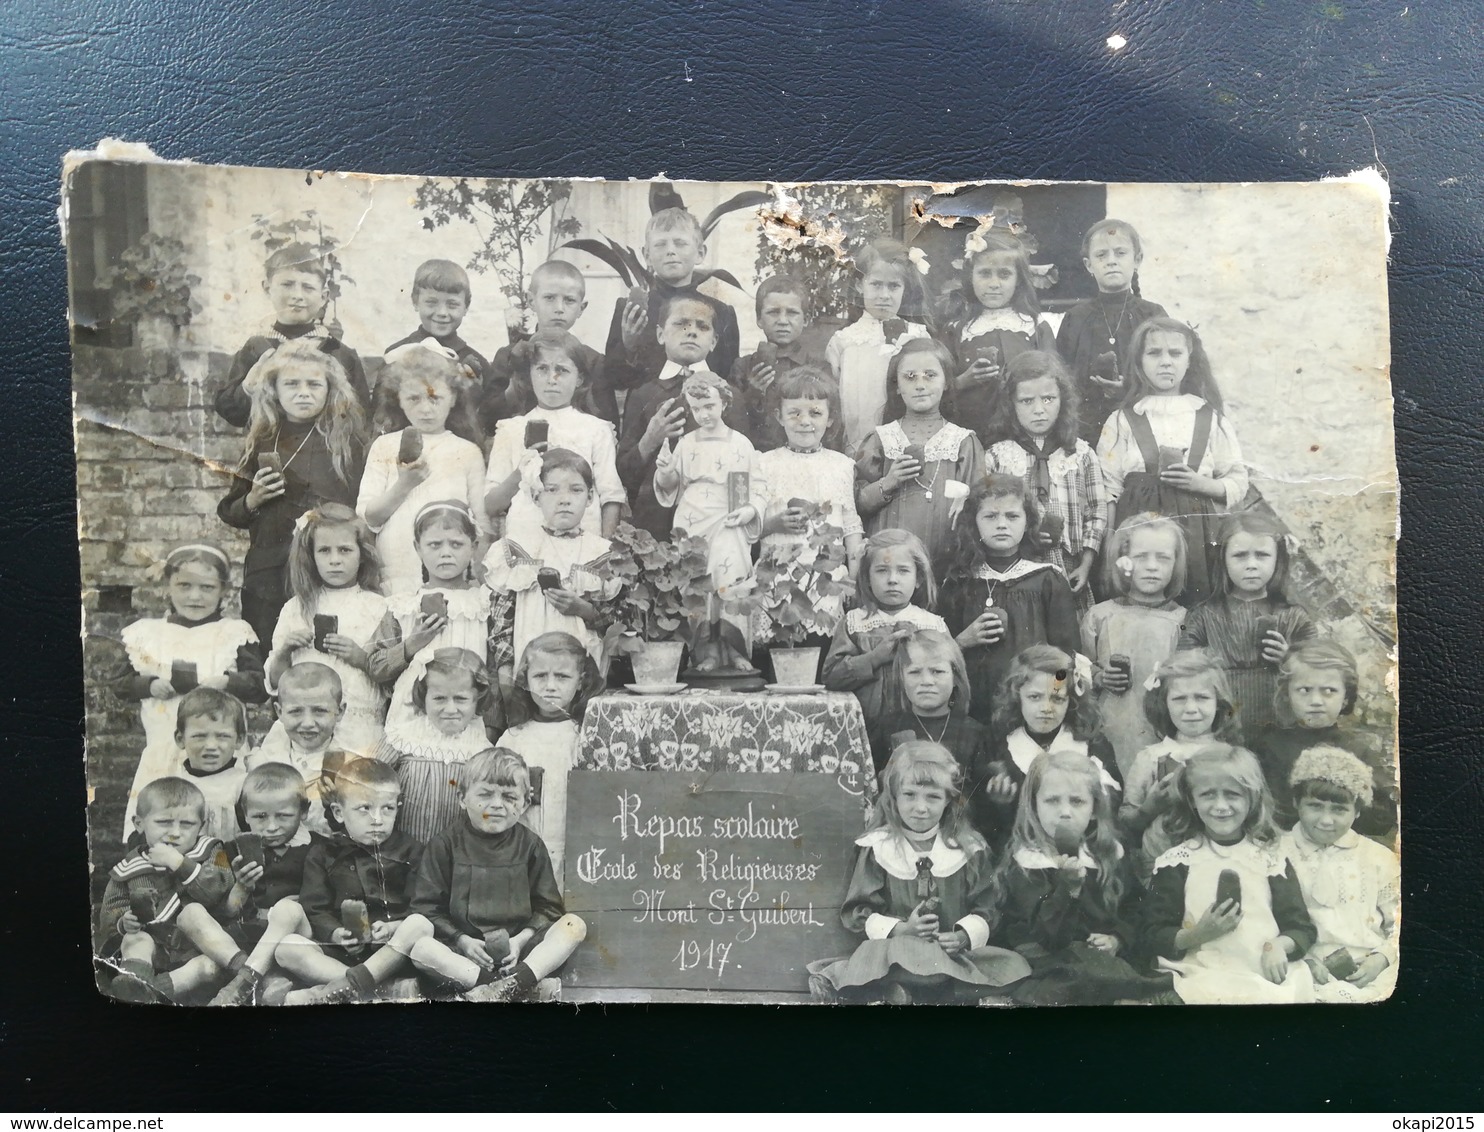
(427, 763)
(1227, 628)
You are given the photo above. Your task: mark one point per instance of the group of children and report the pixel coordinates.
(427, 609)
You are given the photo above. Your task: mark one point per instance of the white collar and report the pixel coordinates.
(1023, 751)
(1167, 406)
(541, 413)
(418, 737)
(1022, 568)
(1031, 858)
(670, 369)
(895, 854)
(1347, 840)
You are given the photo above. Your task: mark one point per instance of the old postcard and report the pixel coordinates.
(501, 590)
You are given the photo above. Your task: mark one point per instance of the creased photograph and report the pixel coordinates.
(842, 593)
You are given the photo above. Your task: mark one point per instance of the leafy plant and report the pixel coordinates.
(630, 265)
(789, 592)
(507, 215)
(150, 280)
(666, 585)
(853, 215)
(308, 229)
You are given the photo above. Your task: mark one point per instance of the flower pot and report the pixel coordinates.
(795, 668)
(657, 662)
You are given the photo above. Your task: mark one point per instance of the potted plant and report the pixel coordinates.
(151, 289)
(797, 591)
(665, 587)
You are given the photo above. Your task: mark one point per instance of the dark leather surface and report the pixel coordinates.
(1203, 91)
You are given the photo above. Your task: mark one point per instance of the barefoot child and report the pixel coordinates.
(362, 877)
(192, 645)
(176, 876)
(1224, 910)
(1351, 885)
(1063, 887)
(487, 886)
(921, 894)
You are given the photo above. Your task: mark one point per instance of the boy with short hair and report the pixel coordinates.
(782, 313)
(655, 413)
(175, 878)
(507, 929)
(262, 907)
(673, 249)
(310, 705)
(210, 727)
(1351, 884)
(296, 283)
(441, 297)
(361, 878)
(558, 296)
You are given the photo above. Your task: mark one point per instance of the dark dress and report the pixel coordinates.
(1012, 753)
(966, 738)
(1227, 628)
(1197, 514)
(311, 480)
(1048, 925)
(972, 405)
(1041, 610)
(1084, 335)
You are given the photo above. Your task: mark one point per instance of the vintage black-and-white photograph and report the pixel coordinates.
(567, 590)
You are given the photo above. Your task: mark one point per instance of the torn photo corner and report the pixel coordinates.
(853, 592)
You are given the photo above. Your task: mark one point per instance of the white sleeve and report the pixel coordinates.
(605, 465)
(1224, 455)
(1113, 453)
(381, 471)
(879, 926)
(504, 456)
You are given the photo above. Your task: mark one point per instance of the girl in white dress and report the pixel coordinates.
(552, 579)
(192, 645)
(1224, 910)
(449, 610)
(425, 410)
(335, 616)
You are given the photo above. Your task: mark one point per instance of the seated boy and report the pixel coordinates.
(268, 871)
(175, 878)
(441, 297)
(295, 280)
(558, 296)
(357, 888)
(210, 727)
(487, 886)
(1351, 885)
(673, 249)
(656, 413)
(310, 704)
(782, 310)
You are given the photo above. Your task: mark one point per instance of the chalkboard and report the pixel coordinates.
(707, 881)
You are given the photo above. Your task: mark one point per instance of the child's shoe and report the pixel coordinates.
(240, 991)
(822, 990)
(274, 989)
(400, 990)
(503, 990)
(898, 995)
(137, 982)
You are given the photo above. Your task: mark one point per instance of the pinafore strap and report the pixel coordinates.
(1138, 424)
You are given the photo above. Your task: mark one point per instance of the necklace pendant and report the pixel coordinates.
(1112, 341)
(927, 494)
